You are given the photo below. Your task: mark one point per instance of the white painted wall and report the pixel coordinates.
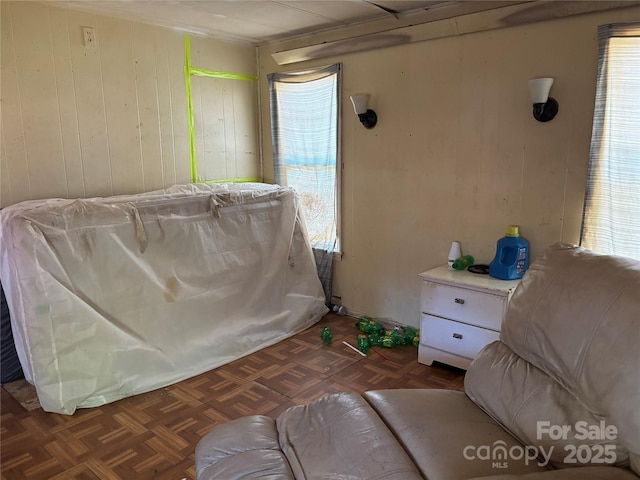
(456, 154)
(78, 122)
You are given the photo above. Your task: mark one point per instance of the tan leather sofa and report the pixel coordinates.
(558, 397)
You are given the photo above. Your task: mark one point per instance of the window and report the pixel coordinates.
(612, 201)
(304, 129)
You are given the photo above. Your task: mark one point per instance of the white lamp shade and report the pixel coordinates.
(539, 89)
(360, 103)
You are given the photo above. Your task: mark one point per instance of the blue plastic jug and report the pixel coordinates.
(512, 256)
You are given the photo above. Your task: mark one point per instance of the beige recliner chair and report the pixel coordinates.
(558, 397)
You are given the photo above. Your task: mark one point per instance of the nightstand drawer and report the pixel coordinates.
(459, 338)
(464, 305)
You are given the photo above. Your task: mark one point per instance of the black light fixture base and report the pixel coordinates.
(543, 112)
(369, 119)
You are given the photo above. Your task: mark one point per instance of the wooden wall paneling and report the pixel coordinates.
(68, 109)
(579, 115)
(165, 113)
(203, 124)
(199, 116)
(179, 107)
(199, 113)
(512, 126)
(544, 179)
(149, 115)
(215, 124)
(240, 114)
(227, 104)
(92, 128)
(212, 145)
(86, 122)
(229, 93)
(14, 167)
(492, 55)
(115, 43)
(479, 112)
(199, 126)
(39, 103)
(469, 129)
(247, 164)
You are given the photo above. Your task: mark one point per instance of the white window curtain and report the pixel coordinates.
(611, 215)
(305, 117)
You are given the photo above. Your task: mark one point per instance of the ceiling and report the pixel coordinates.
(262, 21)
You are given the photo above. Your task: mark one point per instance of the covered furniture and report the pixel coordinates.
(557, 397)
(110, 297)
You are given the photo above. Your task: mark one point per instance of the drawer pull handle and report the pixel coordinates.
(459, 300)
(458, 336)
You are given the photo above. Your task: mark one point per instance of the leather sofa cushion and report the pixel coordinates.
(245, 448)
(340, 436)
(519, 396)
(581, 473)
(435, 427)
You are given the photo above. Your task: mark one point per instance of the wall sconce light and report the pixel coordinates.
(367, 117)
(544, 107)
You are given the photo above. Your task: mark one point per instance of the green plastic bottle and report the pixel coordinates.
(363, 343)
(463, 262)
(326, 335)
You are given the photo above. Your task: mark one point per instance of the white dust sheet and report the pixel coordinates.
(111, 297)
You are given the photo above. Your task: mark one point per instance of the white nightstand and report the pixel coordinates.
(461, 313)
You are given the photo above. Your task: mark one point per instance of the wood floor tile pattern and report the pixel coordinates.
(153, 435)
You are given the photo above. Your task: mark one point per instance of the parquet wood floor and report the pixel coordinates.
(153, 435)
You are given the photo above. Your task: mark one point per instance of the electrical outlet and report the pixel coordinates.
(88, 37)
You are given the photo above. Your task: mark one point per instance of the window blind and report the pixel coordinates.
(611, 218)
